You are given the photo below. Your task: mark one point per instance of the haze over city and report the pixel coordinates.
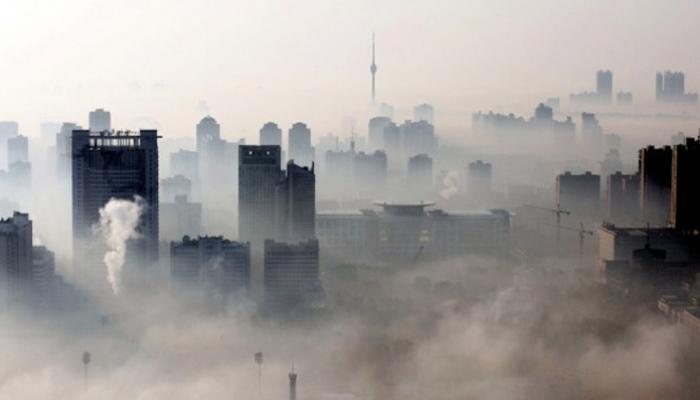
(368, 200)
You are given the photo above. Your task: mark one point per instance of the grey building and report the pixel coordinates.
(186, 163)
(579, 193)
(100, 120)
(604, 85)
(296, 204)
(259, 171)
(300, 149)
(114, 166)
(174, 186)
(15, 253)
(479, 176)
(407, 232)
(218, 265)
(64, 148)
(424, 112)
(180, 217)
(420, 172)
(270, 135)
(17, 149)
(291, 274)
(623, 199)
(376, 132)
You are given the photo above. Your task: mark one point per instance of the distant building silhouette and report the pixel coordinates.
(100, 121)
(291, 274)
(579, 194)
(270, 135)
(300, 149)
(623, 199)
(185, 163)
(420, 172)
(15, 253)
(376, 132)
(179, 217)
(17, 149)
(670, 88)
(424, 112)
(174, 186)
(624, 98)
(604, 85)
(218, 265)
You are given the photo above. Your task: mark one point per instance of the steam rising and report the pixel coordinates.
(118, 222)
(450, 182)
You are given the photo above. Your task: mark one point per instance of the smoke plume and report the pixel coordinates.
(118, 222)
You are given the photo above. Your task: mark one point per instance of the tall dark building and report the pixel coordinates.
(291, 273)
(579, 194)
(15, 252)
(296, 204)
(623, 199)
(100, 121)
(219, 265)
(685, 193)
(300, 149)
(270, 135)
(114, 166)
(655, 175)
(258, 174)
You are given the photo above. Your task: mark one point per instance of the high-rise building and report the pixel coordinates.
(15, 252)
(179, 218)
(64, 148)
(604, 85)
(424, 112)
(219, 265)
(258, 173)
(418, 137)
(685, 194)
(579, 193)
(8, 129)
(292, 385)
(296, 204)
(17, 149)
(174, 186)
(420, 172)
(623, 199)
(479, 175)
(185, 163)
(300, 149)
(270, 135)
(109, 166)
(376, 132)
(655, 176)
(208, 134)
(100, 121)
(543, 113)
(670, 87)
(291, 274)
(370, 171)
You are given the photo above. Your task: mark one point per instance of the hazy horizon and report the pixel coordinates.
(251, 62)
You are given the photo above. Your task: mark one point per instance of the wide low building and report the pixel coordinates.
(409, 232)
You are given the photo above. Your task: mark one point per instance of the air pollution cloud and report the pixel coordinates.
(451, 182)
(118, 222)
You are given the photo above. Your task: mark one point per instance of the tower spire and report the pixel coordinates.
(373, 70)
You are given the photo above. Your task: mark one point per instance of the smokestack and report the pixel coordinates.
(292, 385)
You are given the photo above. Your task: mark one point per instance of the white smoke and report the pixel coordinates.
(450, 182)
(118, 222)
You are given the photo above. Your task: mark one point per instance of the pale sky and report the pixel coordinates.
(308, 60)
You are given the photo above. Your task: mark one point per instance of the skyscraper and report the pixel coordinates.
(604, 85)
(685, 195)
(296, 204)
(270, 135)
(258, 174)
(655, 176)
(300, 149)
(424, 112)
(579, 193)
(376, 132)
(15, 252)
(115, 166)
(291, 274)
(420, 172)
(17, 149)
(100, 120)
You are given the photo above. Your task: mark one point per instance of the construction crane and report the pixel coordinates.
(557, 211)
(581, 236)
